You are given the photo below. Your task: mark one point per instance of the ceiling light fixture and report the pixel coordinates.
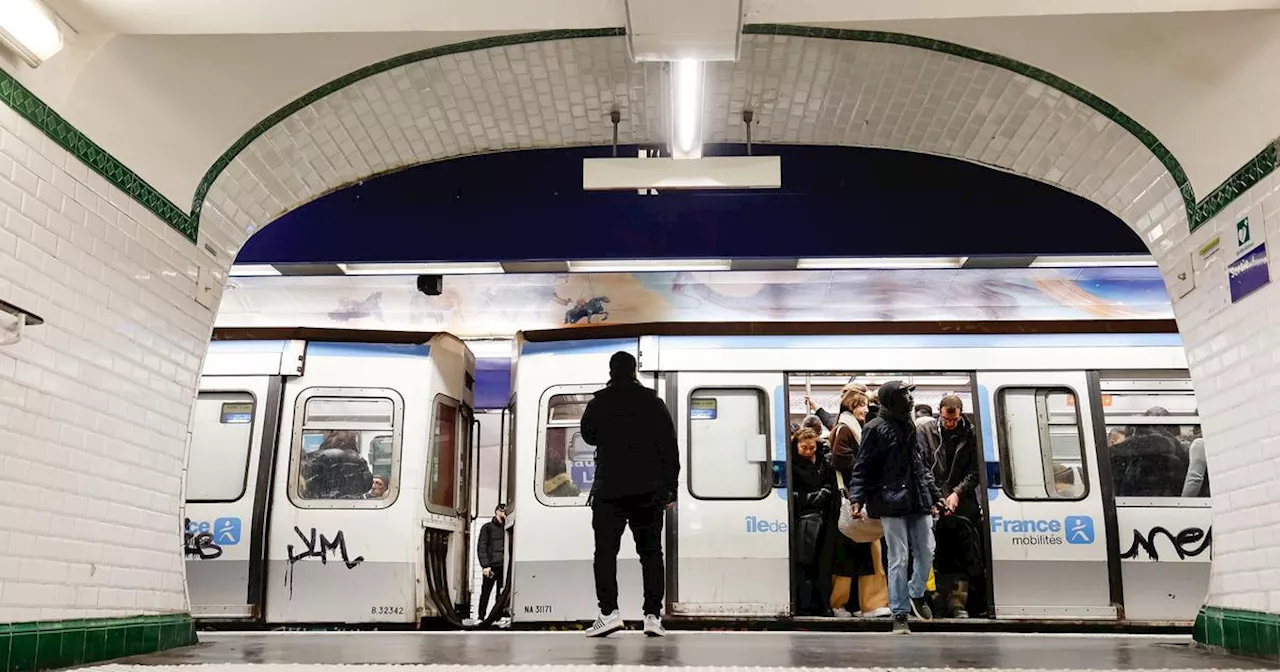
(1097, 261)
(252, 270)
(687, 109)
(878, 263)
(649, 265)
(30, 29)
(445, 268)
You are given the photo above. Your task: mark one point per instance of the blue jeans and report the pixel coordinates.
(911, 535)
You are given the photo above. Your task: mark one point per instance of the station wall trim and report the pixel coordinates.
(1246, 633)
(50, 644)
(62, 132)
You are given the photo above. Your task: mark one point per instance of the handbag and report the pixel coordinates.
(862, 530)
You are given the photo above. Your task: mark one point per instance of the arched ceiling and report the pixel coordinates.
(807, 86)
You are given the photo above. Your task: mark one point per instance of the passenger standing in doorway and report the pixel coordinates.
(849, 558)
(950, 448)
(637, 464)
(891, 481)
(491, 552)
(829, 419)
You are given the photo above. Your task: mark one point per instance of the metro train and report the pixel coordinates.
(1066, 539)
(271, 538)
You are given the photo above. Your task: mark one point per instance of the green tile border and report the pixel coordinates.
(1254, 634)
(43, 645)
(36, 111)
(68, 137)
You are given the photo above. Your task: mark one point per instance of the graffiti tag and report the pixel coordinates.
(1187, 544)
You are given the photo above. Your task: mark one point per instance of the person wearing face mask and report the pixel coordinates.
(891, 482)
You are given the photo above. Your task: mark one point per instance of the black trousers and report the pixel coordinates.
(644, 514)
(486, 586)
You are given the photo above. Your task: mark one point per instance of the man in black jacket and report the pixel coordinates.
(891, 481)
(490, 551)
(950, 448)
(635, 482)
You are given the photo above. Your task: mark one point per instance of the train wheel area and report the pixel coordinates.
(704, 652)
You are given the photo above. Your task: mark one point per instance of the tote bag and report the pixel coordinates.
(862, 530)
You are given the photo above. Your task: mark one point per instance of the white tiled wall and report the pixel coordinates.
(94, 404)
(1235, 364)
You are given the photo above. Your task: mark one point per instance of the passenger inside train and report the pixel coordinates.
(1153, 443)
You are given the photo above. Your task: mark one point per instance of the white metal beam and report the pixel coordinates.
(835, 11)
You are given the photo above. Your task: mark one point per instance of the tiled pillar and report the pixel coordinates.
(94, 406)
(1234, 353)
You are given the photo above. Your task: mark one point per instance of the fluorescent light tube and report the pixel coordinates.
(1115, 260)
(252, 270)
(649, 265)
(877, 263)
(31, 29)
(686, 136)
(449, 268)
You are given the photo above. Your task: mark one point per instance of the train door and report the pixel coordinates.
(731, 544)
(1049, 534)
(1161, 498)
(228, 480)
(339, 553)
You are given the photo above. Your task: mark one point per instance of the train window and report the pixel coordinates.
(442, 474)
(1153, 437)
(511, 456)
(1041, 438)
(729, 452)
(220, 444)
(568, 465)
(346, 451)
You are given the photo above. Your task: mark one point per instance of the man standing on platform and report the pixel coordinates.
(635, 483)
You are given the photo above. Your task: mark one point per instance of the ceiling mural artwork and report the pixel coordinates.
(497, 306)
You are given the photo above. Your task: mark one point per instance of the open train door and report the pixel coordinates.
(730, 546)
(1049, 533)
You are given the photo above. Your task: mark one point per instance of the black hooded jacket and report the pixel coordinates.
(335, 473)
(890, 476)
(635, 442)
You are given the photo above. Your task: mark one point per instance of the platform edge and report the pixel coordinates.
(42, 645)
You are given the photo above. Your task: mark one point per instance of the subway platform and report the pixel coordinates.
(700, 651)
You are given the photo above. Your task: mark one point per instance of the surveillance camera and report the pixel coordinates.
(431, 285)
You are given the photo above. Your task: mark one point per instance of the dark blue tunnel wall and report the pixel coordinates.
(836, 201)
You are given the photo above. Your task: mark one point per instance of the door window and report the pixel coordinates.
(218, 467)
(567, 466)
(1041, 439)
(729, 452)
(442, 475)
(346, 451)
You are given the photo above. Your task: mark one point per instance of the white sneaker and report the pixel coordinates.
(841, 613)
(653, 626)
(882, 612)
(606, 624)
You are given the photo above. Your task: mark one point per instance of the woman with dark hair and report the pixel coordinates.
(812, 491)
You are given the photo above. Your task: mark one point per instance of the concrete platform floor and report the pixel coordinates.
(698, 649)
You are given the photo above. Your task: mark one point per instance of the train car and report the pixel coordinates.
(329, 479)
(1075, 529)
